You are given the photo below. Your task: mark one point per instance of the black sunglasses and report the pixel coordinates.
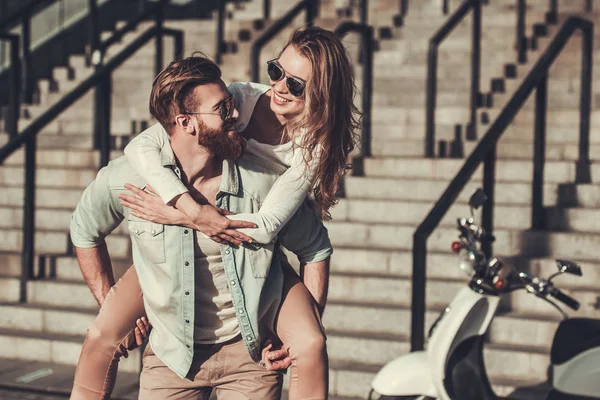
(276, 72)
(226, 108)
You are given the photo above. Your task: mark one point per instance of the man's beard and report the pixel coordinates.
(223, 144)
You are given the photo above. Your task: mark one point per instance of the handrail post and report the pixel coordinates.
(266, 10)
(539, 154)
(159, 18)
(552, 16)
(28, 256)
(521, 39)
(367, 92)
(364, 11)
(583, 173)
(445, 7)
(311, 11)
(12, 122)
(475, 68)
(431, 101)
(417, 327)
(220, 32)
(105, 95)
(487, 215)
(26, 48)
(94, 32)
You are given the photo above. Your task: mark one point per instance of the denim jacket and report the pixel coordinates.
(164, 254)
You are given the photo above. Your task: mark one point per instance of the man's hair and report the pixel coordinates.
(173, 86)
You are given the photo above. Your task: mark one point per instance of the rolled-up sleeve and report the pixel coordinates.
(306, 236)
(96, 214)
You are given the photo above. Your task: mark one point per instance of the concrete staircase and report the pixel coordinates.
(368, 314)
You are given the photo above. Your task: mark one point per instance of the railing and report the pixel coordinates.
(521, 38)
(14, 109)
(220, 32)
(367, 36)
(432, 62)
(485, 152)
(310, 6)
(101, 80)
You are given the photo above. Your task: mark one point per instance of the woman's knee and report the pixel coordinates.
(103, 336)
(309, 344)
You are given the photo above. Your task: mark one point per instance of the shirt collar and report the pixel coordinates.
(230, 178)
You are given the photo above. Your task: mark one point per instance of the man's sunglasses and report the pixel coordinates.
(226, 108)
(276, 72)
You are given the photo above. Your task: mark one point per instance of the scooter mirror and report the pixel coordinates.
(569, 267)
(477, 199)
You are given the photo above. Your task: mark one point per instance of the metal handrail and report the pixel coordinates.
(101, 79)
(486, 152)
(434, 43)
(310, 6)
(12, 125)
(367, 35)
(23, 12)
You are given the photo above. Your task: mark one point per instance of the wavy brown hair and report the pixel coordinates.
(330, 117)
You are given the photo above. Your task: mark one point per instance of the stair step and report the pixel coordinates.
(576, 245)
(52, 348)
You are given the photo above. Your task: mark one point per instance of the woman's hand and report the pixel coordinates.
(150, 207)
(275, 359)
(206, 218)
(141, 332)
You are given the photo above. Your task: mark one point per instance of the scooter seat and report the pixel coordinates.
(573, 337)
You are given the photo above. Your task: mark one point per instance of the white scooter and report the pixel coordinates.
(452, 367)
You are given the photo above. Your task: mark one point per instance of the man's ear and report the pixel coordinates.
(183, 121)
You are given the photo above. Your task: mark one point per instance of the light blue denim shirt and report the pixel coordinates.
(164, 254)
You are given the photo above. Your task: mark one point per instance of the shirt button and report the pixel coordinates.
(137, 231)
(187, 345)
(153, 232)
(185, 231)
(187, 293)
(227, 251)
(248, 338)
(232, 283)
(241, 312)
(187, 321)
(186, 263)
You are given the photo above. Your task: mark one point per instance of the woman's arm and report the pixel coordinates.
(144, 155)
(283, 200)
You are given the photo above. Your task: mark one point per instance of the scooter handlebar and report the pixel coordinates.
(565, 298)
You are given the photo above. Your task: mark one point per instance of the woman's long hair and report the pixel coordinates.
(330, 118)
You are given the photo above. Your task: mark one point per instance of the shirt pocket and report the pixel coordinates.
(260, 259)
(150, 239)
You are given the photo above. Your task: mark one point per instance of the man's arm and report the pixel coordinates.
(97, 270)
(316, 279)
(96, 215)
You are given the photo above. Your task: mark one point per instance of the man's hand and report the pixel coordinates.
(275, 359)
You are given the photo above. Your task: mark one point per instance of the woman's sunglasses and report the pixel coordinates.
(226, 108)
(276, 72)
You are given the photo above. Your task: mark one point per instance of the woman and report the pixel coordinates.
(304, 120)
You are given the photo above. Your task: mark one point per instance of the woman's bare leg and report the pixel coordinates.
(299, 328)
(107, 338)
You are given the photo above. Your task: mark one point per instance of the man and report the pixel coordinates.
(210, 305)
